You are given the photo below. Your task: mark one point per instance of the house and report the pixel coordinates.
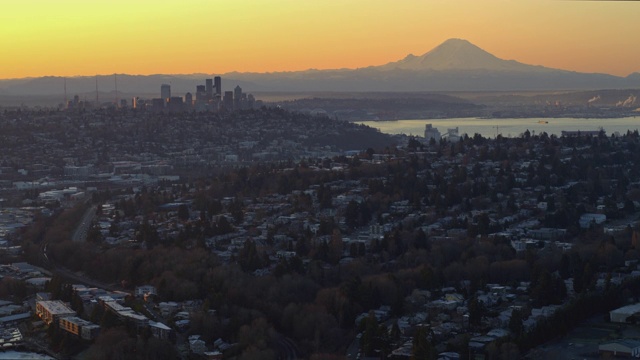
(547, 233)
(145, 290)
(196, 345)
(213, 355)
(43, 296)
(404, 351)
(623, 348)
(38, 282)
(25, 269)
(586, 220)
(448, 356)
(168, 308)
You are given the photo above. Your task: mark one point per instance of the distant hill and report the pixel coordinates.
(455, 65)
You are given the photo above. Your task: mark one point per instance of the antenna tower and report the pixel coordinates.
(97, 98)
(115, 79)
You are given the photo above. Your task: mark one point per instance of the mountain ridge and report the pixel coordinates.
(454, 65)
(456, 54)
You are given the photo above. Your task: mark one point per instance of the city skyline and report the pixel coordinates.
(72, 38)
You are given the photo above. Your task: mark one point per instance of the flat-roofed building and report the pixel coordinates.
(621, 348)
(50, 311)
(160, 330)
(79, 327)
(6, 321)
(126, 313)
(622, 314)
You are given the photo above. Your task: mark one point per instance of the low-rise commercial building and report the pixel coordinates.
(50, 311)
(79, 327)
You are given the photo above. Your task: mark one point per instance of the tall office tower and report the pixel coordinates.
(218, 84)
(134, 102)
(237, 96)
(165, 92)
(201, 93)
(175, 104)
(188, 99)
(228, 100)
(209, 88)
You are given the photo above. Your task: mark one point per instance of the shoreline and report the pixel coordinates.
(507, 118)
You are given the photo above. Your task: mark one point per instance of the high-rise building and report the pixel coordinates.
(201, 93)
(188, 99)
(209, 88)
(218, 84)
(158, 104)
(227, 101)
(165, 92)
(237, 96)
(175, 104)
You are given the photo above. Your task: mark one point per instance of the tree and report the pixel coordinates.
(375, 337)
(368, 342)
(509, 351)
(183, 212)
(423, 349)
(351, 214)
(148, 234)
(421, 241)
(94, 235)
(547, 288)
(515, 323)
(249, 257)
(476, 311)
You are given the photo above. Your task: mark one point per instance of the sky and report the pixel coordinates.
(79, 37)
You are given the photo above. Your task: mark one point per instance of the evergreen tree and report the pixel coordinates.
(422, 349)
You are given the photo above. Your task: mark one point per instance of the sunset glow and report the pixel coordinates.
(72, 37)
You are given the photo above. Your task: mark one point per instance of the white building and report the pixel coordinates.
(621, 315)
(622, 348)
(431, 133)
(196, 345)
(586, 220)
(141, 291)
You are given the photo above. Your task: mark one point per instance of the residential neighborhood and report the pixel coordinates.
(202, 236)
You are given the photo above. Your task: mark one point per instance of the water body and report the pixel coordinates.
(507, 127)
(15, 355)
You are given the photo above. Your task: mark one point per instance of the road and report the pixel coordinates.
(80, 235)
(354, 349)
(286, 348)
(34, 345)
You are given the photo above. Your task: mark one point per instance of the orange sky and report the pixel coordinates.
(74, 37)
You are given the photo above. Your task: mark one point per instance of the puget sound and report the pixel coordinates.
(508, 127)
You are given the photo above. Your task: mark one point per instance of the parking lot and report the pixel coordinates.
(582, 342)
